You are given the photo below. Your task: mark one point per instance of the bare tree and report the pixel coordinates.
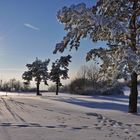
(93, 75)
(82, 74)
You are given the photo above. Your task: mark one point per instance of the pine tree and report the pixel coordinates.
(60, 71)
(116, 22)
(38, 72)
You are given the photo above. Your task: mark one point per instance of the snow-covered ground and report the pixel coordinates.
(67, 117)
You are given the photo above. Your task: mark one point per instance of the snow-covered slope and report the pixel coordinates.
(67, 117)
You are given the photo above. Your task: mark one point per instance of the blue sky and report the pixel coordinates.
(29, 29)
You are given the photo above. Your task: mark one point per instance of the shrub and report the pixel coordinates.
(83, 87)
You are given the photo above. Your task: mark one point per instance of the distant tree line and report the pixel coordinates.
(14, 85)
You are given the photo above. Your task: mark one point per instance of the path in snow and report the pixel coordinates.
(66, 117)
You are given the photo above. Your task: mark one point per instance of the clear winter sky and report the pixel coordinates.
(30, 29)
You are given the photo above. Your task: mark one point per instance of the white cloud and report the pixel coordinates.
(31, 26)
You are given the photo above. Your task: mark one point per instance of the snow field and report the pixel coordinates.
(66, 117)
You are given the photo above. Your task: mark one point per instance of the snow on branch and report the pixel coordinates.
(80, 22)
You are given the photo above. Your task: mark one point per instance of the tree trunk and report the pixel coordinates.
(133, 43)
(37, 89)
(57, 88)
(133, 94)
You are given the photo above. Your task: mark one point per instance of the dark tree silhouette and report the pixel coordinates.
(60, 71)
(38, 71)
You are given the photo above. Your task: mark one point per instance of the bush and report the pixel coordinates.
(83, 87)
(52, 88)
(77, 86)
(62, 89)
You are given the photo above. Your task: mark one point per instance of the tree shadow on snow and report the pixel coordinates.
(119, 98)
(109, 103)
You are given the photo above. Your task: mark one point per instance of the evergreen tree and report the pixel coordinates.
(38, 71)
(60, 71)
(116, 22)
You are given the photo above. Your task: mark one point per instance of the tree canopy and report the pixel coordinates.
(109, 21)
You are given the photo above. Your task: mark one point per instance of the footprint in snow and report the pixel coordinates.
(77, 128)
(137, 124)
(49, 110)
(99, 128)
(51, 126)
(63, 126)
(84, 127)
(92, 114)
(138, 135)
(6, 124)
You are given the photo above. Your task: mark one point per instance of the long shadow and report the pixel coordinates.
(119, 98)
(33, 125)
(97, 105)
(25, 125)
